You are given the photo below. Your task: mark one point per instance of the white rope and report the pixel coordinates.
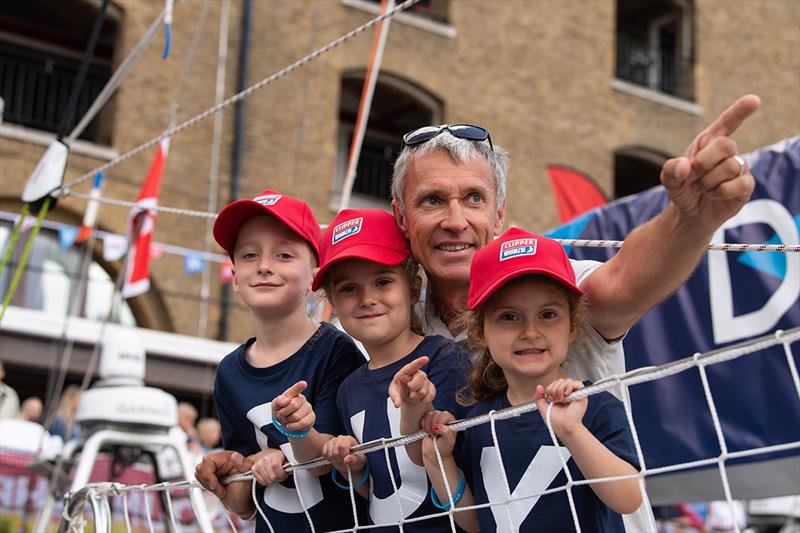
(125, 513)
(721, 246)
(171, 515)
(570, 481)
(230, 520)
(352, 492)
(446, 486)
(258, 506)
(502, 467)
(303, 504)
(625, 396)
(790, 360)
(147, 510)
(395, 490)
(235, 98)
(723, 472)
(584, 243)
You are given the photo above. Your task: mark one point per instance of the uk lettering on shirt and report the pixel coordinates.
(268, 199)
(369, 414)
(533, 465)
(243, 396)
(517, 248)
(346, 229)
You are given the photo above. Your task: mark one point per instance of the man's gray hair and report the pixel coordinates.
(461, 151)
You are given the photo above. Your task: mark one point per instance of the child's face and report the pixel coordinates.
(373, 302)
(273, 267)
(527, 329)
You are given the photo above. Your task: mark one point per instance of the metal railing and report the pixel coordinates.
(36, 86)
(635, 62)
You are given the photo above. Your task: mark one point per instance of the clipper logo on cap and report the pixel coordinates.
(517, 248)
(268, 199)
(346, 229)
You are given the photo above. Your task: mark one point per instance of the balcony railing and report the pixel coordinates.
(374, 173)
(663, 70)
(36, 86)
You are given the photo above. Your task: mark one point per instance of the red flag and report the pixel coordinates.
(141, 223)
(226, 271)
(575, 192)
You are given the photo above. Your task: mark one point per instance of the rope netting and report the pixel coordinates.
(619, 384)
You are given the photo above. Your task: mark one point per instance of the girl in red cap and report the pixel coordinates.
(525, 309)
(371, 280)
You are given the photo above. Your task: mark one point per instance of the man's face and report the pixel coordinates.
(450, 213)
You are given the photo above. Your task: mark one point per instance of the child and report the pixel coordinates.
(371, 280)
(273, 241)
(524, 310)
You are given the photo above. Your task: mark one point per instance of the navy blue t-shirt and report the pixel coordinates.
(532, 465)
(368, 414)
(243, 396)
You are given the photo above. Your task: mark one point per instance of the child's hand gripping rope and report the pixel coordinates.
(566, 417)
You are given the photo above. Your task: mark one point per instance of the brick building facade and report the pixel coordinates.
(601, 86)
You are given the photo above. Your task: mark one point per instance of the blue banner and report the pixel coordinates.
(731, 297)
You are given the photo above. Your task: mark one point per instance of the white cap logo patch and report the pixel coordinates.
(268, 199)
(517, 248)
(346, 229)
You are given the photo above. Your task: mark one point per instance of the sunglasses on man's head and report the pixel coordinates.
(469, 132)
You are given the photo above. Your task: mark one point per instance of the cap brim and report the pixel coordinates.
(388, 256)
(235, 214)
(515, 273)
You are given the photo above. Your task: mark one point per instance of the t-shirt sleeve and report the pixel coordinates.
(583, 269)
(343, 360)
(610, 426)
(229, 421)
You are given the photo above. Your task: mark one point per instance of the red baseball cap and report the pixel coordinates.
(370, 234)
(515, 253)
(294, 213)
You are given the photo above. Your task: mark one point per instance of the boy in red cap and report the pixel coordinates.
(371, 280)
(264, 389)
(525, 309)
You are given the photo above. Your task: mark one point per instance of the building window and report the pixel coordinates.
(397, 107)
(636, 170)
(50, 281)
(654, 45)
(435, 10)
(41, 47)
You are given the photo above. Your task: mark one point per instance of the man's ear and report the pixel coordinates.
(400, 218)
(416, 287)
(499, 219)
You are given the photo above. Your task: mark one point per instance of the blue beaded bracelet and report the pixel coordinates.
(364, 477)
(456, 497)
(290, 434)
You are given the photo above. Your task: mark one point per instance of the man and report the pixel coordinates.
(449, 198)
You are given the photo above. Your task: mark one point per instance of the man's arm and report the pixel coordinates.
(705, 188)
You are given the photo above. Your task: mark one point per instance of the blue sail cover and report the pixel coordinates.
(730, 298)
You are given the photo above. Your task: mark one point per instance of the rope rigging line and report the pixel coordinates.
(591, 243)
(235, 98)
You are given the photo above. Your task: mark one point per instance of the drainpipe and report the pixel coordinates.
(238, 140)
